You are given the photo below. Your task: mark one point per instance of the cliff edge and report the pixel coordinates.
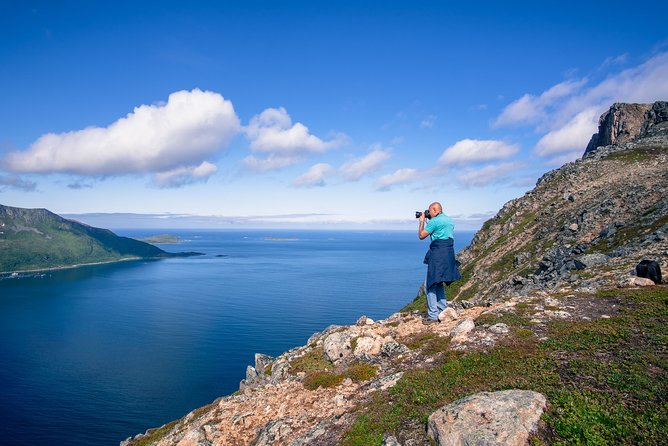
(551, 337)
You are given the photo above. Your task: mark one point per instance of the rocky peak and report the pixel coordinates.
(584, 224)
(625, 122)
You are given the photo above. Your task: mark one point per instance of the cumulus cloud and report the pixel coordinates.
(315, 176)
(571, 135)
(567, 114)
(530, 108)
(355, 169)
(185, 175)
(273, 134)
(15, 182)
(491, 174)
(184, 131)
(399, 177)
(475, 150)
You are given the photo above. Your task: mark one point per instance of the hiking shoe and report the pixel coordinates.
(429, 321)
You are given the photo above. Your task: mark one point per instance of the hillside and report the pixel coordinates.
(36, 239)
(553, 340)
(584, 224)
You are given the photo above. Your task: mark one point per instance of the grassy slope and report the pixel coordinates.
(49, 241)
(605, 379)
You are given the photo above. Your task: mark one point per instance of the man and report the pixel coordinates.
(440, 259)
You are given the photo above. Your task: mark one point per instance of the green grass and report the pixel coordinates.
(313, 361)
(358, 372)
(606, 380)
(429, 343)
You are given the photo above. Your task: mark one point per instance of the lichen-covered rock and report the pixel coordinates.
(504, 418)
(337, 346)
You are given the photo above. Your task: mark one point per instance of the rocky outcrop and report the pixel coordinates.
(626, 122)
(584, 224)
(504, 418)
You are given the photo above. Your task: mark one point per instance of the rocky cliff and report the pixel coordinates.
(552, 338)
(586, 223)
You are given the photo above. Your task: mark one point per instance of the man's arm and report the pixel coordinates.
(421, 231)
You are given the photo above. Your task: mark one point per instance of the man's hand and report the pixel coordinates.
(422, 234)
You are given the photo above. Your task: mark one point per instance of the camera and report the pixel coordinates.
(426, 214)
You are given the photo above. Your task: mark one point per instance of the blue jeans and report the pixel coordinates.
(435, 300)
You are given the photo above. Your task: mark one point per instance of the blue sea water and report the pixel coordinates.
(92, 355)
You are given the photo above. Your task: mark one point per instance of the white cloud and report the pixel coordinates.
(315, 176)
(474, 150)
(272, 133)
(567, 114)
(401, 176)
(272, 162)
(530, 109)
(428, 122)
(185, 175)
(355, 169)
(573, 135)
(488, 175)
(189, 127)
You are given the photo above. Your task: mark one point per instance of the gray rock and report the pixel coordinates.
(393, 348)
(463, 328)
(261, 362)
(594, 259)
(499, 328)
(337, 346)
(272, 433)
(279, 372)
(389, 440)
(488, 419)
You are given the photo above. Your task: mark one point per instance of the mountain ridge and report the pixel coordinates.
(38, 239)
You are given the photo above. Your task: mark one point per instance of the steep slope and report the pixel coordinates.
(32, 239)
(542, 311)
(585, 223)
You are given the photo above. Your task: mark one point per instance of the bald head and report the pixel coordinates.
(435, 208)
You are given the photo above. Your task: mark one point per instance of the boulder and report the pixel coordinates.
(366, 345)
(499, 328)
(488, 418)
(364, 320)
(649, 269)
(337, 345)
(463, 328)
(449, 314)
(594, 259)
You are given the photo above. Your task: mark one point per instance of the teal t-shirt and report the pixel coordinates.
(440, 227)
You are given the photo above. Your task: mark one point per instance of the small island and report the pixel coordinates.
(162, 239)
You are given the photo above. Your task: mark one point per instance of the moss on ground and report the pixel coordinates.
(606, 380)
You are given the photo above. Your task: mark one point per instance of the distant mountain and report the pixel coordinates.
(36, 239)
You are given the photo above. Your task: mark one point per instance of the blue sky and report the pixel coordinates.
(307, 114)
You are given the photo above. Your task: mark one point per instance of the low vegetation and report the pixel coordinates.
(606, 379)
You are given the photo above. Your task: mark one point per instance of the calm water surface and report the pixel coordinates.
(95, 354)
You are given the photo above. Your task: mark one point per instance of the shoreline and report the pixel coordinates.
(78, 265)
